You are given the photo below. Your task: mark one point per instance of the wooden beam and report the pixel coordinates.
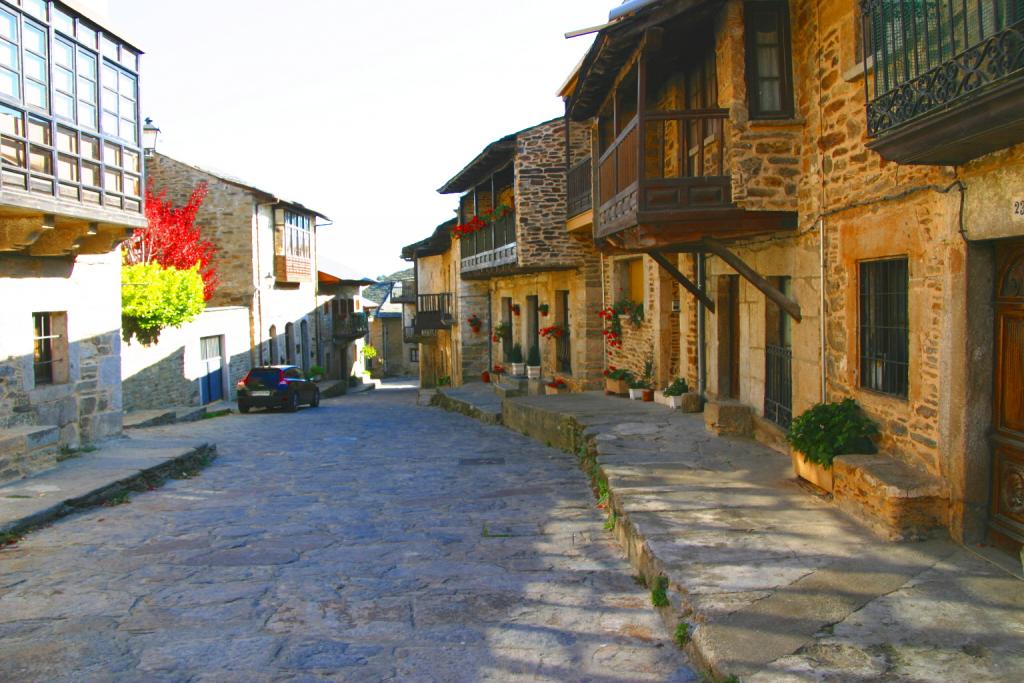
(20, 233)
(784, 302)
(687, 284)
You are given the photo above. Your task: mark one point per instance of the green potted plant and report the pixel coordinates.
(533, 363)
(616, 381)
(515, 359)
(672, 396)
(825, 431)
(316, 373)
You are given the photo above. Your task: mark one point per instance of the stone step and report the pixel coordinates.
(508, 387)
(28, 450)
(141, 419)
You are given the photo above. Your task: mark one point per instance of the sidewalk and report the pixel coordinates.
(90, 478)
(774, 583)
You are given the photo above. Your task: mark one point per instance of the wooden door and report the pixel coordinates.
(1007, 520)
(729, 336)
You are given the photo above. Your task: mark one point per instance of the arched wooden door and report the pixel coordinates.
(1007, 521)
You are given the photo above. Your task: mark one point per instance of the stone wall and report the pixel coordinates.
(541, 198)
(88, 406)
(169, 372)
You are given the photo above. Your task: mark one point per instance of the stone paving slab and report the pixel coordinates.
(775, 583)
(366, 540)
(77, 482)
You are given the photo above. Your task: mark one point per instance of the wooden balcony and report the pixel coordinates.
(945, 85)
(491, 248)
(353, 326)
(293, 269)
(579, 182)
(413, 335)
(666, 176)
(434, 312)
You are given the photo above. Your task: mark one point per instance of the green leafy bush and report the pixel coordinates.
(677, 388)
(830, 429)
(154, 298)
(517, 354)
(369, 352)
(533, 358)
(317, 371)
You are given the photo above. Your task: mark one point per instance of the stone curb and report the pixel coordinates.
(454, 405)
(196, 458)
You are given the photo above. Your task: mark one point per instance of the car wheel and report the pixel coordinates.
(293, 402)
(243, 408)
(316, 399)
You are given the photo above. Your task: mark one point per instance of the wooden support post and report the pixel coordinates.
(785, 303)
(687, 284)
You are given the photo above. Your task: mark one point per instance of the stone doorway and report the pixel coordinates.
(1007, 508)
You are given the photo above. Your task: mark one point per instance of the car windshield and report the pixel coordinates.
(267, 377)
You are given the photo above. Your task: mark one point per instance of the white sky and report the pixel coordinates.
(360, 110)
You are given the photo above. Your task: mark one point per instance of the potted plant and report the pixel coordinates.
(553, 332)
(637, 386)
(533, 363)
(316, 373)
(516, 310)
(648, 381)
(673, 393)
(501, 331)
(485, 377)
(498, 370)
(824, 431)
(616, 381)
(475, 323)
(544, 309)
(556, 386)
(515, 359)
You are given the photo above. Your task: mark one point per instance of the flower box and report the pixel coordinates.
(518, 369)
(554, 391)
(533, 372)
(636, 394)
(812, 472)
(616, 387)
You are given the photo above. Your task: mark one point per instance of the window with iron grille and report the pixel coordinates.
(885, 326)
(49, 348)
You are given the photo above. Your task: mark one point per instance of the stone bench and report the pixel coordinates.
(893, 499)
(729, 418)
(27, 450)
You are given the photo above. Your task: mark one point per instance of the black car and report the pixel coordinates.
(276, 386)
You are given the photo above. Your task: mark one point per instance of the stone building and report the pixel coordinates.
(70, 193)
(267, 263)
(815, 202)
(397, 352)
(434, 327)
(341, 323)
(518, 271)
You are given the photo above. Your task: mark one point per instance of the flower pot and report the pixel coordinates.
(615, 387)
(812, 472)
(518, 369)
(648, 395)
(553, 391)
(674, 402)
(636, 394)
(533, 372)
(486, 377)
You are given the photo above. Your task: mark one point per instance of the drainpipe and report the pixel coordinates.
(821, 309)
(702, 370)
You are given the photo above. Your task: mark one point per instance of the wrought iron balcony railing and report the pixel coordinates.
(353, 326)
(927, 57)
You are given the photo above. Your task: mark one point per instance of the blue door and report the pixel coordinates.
(211, 383)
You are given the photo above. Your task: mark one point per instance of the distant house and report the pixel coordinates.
(391, 326)
(267, 263)
(70, 193)
(342, 323)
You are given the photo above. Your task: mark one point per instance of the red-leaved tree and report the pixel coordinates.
(172, 238)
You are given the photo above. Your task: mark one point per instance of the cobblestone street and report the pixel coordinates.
(365, 540)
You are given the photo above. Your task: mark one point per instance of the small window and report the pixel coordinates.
(50, 348)
(769, 71)
(630, 280)
(884, 326)
(414, 355)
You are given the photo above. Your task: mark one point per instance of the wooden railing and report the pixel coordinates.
(493, 246)
(664, 161)
(353, 326)
(579, 182)
(433, 312)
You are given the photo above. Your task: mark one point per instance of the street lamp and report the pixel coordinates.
(150, 133)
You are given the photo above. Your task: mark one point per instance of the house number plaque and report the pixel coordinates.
(1018, 209)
